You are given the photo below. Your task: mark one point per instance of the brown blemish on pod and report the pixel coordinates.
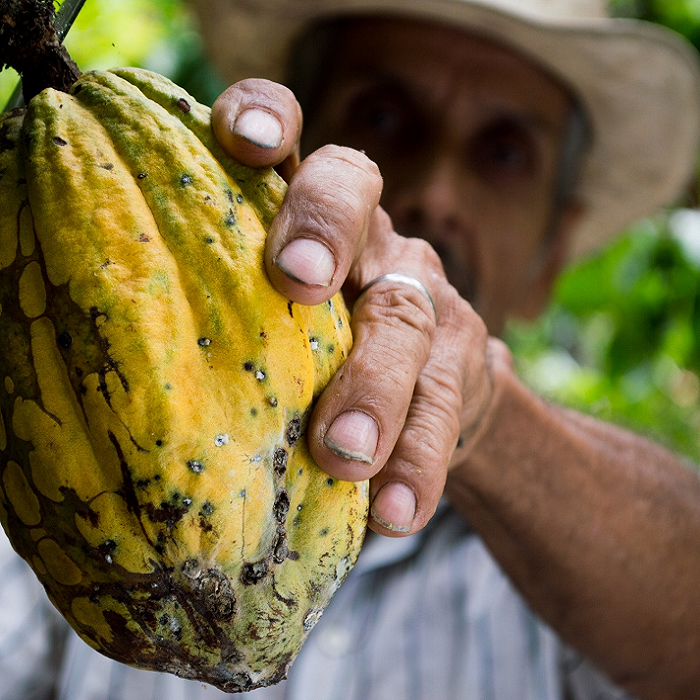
(252, 572)
(211, 587)
(279, 461)
(293, 432)
(281, 507)
(280, 550)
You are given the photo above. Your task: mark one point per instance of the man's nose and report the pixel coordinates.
(428, 204)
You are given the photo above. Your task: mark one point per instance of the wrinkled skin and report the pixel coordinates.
(620, 530)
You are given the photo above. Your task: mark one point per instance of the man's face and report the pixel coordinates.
(467, 136)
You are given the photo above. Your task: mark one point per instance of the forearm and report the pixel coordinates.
(600, 530)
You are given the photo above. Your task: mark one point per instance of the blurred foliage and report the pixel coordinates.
(621, 339)
(682, 16)
(156, 34)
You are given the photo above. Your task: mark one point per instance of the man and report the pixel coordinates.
(557, 533)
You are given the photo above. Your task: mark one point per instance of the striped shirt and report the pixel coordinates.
(428, 617)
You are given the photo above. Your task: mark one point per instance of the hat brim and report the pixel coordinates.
(638, 82)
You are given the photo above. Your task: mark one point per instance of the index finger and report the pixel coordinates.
(258, 123)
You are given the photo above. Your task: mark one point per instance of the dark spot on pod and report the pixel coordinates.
(239, 683)
(289, 308)
(252, 572)
(191, 568)
(203, 342)
(230, 220)
(229, 196)
(159, 443)
(253, 412)
(141, 176)
(280, 550)
(239, 198)
(185, 180)
(293, 431)
(167, 513)
(323, 532)
(143, 238)
(272, 401)
(212, 587)
(107, 166)
(183, 105)
(311, 618)
(206, 509)
(279, 461)
(248, 366)
(65, 340)
(293, 555)
(59, 141)
(281, 506)
(331, 349)
(209, 240)
(330, 481)
(218, 594)
(195, 466)
(106, 550)
(142, 483)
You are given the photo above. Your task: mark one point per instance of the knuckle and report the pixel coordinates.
(346, 156)
(425, 253)
(399, 306)
(464, 321)
(258, 88)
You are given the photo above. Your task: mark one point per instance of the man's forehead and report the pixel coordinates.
(445, 65)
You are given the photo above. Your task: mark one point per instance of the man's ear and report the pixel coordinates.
(550, 263)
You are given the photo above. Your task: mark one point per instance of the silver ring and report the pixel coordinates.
(401, 279)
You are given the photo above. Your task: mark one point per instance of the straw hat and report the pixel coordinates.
(639, 82)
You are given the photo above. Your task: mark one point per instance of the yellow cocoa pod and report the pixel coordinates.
(156, 388)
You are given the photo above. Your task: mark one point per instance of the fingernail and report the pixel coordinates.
(353, 435)
(307, 261)
(394, 507)
(259, 127)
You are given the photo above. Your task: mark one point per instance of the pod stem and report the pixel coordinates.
(30, 44)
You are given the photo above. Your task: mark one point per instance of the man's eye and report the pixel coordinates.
(381, 118)
(377, 120)
(504, 150)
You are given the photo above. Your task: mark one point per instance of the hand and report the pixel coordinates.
(417, 379)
